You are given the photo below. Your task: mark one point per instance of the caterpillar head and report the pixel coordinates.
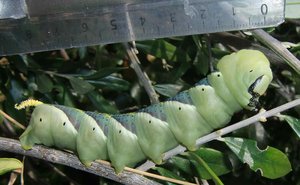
(247, 74)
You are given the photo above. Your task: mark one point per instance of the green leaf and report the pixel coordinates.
(293, 122)
(16, 94)
(82, 52)
(158, 48)
(103, 73)
(206, 167)
(271, 162)
(201, 63)
(182, 164)
(167, 173)
(19, 63)
(9, 164)
(182, 69)
(101, 103)
(215, 159)
(17, 90)
(44, 83)
(292, 8)
(168, 90)
(162, 49)
(81, 86)
(111, 82)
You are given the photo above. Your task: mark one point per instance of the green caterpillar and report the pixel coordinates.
(127, 139)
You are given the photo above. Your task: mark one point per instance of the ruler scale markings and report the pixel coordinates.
(53, 25)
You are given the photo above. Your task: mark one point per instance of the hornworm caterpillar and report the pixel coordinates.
(126, 139)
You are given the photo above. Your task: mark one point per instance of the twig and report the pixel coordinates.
(236, 43)
(141, 75)
(200, 161)
(13, 178)
(10, 128)
(62, 174)
(208, 45)
(278, 48)
(204, 182)
(68, 159)
(215, 135)
(64, 54)
(12, 120)
(22, 172)
(163, 178)
(100, 168)
(149, 174)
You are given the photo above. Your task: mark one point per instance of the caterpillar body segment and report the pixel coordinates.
(184, 118)
(90, 140)
(126, 139)
(212, 108)
(241, 70)
(216, 80)
(123, 146)
(154, 136)
(49, 126)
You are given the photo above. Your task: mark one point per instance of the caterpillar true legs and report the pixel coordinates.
(126, 139)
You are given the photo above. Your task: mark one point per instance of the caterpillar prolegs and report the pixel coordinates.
(126, 139)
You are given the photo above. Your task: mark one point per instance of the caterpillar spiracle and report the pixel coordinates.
(126, 139)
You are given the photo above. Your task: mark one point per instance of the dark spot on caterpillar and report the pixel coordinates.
(149, 121)
(179, 108)
(64, 123)
(218, 75)
(93, 128)
(202, 89)
(251, 71)
(40, 119)
(120, 131)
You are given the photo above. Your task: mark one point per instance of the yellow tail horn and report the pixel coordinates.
(27, 103)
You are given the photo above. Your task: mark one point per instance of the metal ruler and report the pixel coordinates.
(39, 25)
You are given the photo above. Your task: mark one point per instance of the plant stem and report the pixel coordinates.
(278, 48)
(215, 178)
(143, 77)
(68, 159)
(12, 120)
